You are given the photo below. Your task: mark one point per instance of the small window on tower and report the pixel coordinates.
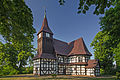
(39, 35)
(47, 35)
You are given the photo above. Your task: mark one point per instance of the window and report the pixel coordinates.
(47, 35)
(75, 68)
(39, 35)
(79, 59)
(87, 58)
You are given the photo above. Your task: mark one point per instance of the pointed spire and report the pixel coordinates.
(45, 26)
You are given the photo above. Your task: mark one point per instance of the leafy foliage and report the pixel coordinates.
(117, 75)
(107, 42)
(117, 56)
(61, 2)
(27, 70)
(111, 24)
(100, 5)
(6, 69)
(17, 31)
(54, 75)
(103, 51)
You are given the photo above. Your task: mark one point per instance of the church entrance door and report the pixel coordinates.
(64, 71)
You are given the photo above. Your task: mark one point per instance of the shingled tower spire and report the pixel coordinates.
(45, 26)
(45, 41)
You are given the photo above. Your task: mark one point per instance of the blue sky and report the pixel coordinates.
(64, 21)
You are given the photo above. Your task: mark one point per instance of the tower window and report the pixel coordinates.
(39, 35)
(47, 35)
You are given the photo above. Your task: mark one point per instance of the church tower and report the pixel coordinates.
(45, 62)
(45, 38)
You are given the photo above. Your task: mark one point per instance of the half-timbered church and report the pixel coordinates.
(58, 57)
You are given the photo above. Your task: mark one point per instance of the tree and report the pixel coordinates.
(117, 57)
(111, 25)
(16, 28)
(100, 5)
(109, 37)
(103, 51)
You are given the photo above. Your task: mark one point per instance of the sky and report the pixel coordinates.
(64, 21)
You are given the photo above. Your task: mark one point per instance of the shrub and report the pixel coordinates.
(54, 75)
(118, 75)
(8, 70)
(27, 70)
(102, 72)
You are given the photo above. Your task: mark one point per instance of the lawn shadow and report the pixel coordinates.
(10, 76)
(67, 78)
(59, 77)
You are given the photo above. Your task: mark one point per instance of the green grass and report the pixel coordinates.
(60, 77)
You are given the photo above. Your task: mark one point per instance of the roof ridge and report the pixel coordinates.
(60, 41)
(74, 40)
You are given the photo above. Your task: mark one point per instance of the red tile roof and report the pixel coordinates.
(61, 47)
(45, 55)
(45, 26)
(76, 47)
(92, 63)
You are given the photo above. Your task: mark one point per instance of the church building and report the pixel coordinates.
(58, 57)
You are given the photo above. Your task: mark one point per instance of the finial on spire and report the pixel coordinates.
(45, 13)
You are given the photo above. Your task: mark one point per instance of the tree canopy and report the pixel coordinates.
(16, 28)
(103, 52)
(100, 5)
(107, 42)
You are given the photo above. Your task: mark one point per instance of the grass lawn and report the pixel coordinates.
(59, 77)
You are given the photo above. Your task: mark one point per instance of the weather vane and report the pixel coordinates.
(44, 11)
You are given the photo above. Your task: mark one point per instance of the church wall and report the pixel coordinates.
(48, 66)
(75, 70)
(93, 71)
(90, 71)
(61, 69)
(78, 58)
(72, 69)
(45, 66)
(62, 59)
(36, 68)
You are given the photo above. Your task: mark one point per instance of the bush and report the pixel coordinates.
(118, 75)
(8, 70)
(27, 70)
(102, 72)
(54, 75)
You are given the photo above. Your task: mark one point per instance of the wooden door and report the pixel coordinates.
(64, 71)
